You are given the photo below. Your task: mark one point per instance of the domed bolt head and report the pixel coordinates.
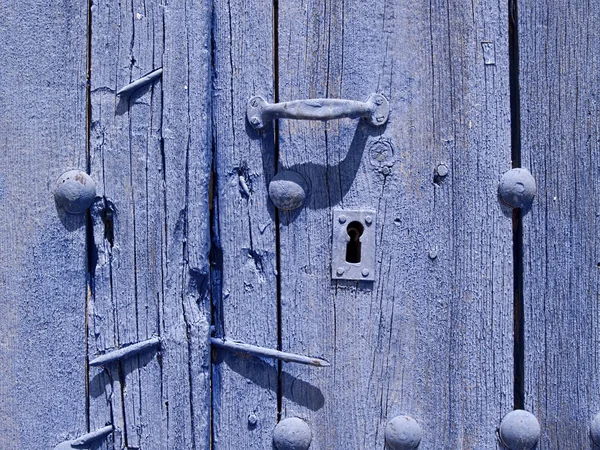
(519, 430)
(517, 188)
(595, 429)
(74, 191)
(403, 433)
(287, 190)
(292, 434)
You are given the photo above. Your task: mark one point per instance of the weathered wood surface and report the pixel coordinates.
(42, 250)
(559, 72)
(245, 389)
(151, 155)
(431, 337)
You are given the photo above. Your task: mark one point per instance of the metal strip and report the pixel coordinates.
(268, 353)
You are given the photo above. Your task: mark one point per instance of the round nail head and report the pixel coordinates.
(74, 191)
(517, 188)
(287, 190)
(292, 434)
(519, 430)
(365, 272)
(403, 433)
(595, 429)
(442, 170)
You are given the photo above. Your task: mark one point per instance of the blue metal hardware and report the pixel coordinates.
(353, 249)
(375, 110)
(147, 79)
(268, 353)
(85, 440)
(125, 352)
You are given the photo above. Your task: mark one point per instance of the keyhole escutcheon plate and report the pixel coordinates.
(353, 247)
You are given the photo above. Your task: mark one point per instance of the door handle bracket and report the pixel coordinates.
(375, 110)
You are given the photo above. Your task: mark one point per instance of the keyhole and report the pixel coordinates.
(355, 231)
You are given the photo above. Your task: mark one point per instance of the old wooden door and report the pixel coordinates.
(468, 310)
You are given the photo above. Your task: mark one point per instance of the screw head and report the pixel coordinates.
(365, 272)
(595, 429)
(339, 271)
(292, 434)
(442, 170)
(342, 219)
(74, 191)
(403, 433)
(378, 101)
(433, 254)
(519, 430)
(287, 190)
(517, 188)
(254, 121)
(380, 119)
(386, 170)
(368, 220)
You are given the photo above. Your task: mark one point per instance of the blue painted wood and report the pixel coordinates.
(42, 250)
(431, 337)
(559, 72)
(151, 154)
(245, 273)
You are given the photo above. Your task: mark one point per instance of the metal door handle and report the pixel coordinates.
(375, 110)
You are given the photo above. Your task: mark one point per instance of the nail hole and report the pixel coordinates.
(108, 220)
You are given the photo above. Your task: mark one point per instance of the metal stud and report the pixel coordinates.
(74, 191)
(595, 429)
(292, 434)
(287, 190)
(403, 433)
(517, 188)
(519, 430)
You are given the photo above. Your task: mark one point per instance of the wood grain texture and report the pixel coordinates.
(151, 156)
(559, 73)
(245, 271)
(431, 337)
(42, 250)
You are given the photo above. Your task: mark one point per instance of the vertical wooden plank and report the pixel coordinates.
(42, 250)
(151, 151)
(431, 337)
(245, 296)
(559, 73)
(129, 222)
(187, 142)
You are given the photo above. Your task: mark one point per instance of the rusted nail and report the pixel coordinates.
(517, 188)
(519, 430)
(86, 439)
(403, 433)
(140, 82)
(287, 190)
(268, 352)
(74, 191)
(125, 352)
(292, 434)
